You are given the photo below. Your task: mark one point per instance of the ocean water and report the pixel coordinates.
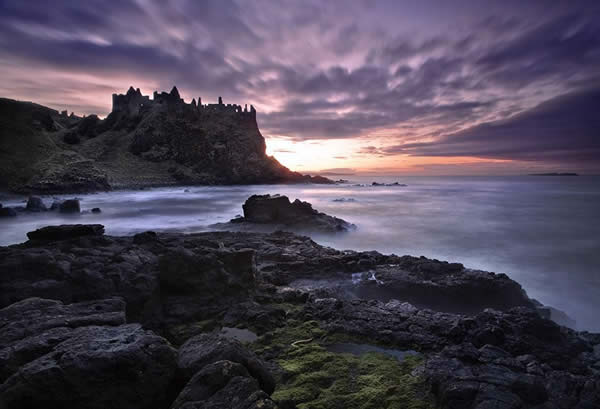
(544, 232)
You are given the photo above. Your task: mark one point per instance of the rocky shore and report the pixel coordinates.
(255, 320)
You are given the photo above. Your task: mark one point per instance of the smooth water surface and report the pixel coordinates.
(543, 232)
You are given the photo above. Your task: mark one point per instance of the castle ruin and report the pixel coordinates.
(133, 102)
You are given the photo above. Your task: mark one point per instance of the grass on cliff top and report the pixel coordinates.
(316, 378)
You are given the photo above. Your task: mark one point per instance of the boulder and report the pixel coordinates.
(205, 349)
(32, 327)
(35, 204)
(7, 212)
(66, 231)
(96, 367)
(223, 384)
(96, 210)
(70, 206)
(276, 210)
(81, 355)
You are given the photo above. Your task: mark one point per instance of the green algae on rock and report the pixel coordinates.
(322, 379)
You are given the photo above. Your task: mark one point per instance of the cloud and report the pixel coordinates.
(563, 129)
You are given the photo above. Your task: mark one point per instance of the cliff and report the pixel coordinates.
(142, 142)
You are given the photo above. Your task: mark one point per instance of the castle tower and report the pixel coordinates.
(220, 101)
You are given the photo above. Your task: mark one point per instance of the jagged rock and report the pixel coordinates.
(69, 206)
(205, 349)
(96, 367)
(35, 204)
(277, 211)
(66, 231)
(223, 385)
(80, 355)
(33, 327)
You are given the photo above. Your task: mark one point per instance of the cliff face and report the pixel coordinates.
(143, 142)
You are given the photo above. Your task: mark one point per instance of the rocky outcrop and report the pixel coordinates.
(81, 355)
(142, 142)
(205, 349)
(90, 320)
(224, 385)
(277, 212)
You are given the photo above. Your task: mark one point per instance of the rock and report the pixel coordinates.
(66, 231)
(278, 211)
(223, 384)
(7, 212)
(35, 204)
(69, 206)
(72, 138)
(205, 349)
(389, 184)
(96, 210)
(32, 327)
(80, 355)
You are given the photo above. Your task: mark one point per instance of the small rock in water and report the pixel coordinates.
(276, 210)
(35, 204)
(96, 210)
(7, 212)
(70, 206)
(66, 231)
(344, 200)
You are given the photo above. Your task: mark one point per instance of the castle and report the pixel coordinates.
(133, 102)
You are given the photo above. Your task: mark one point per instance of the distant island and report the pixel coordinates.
(553, 174)
(143, 142)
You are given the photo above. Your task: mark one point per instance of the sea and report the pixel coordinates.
(542, 231)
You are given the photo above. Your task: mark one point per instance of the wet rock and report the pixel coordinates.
(223, 384)
(7, 212)
(205, 349)
(96, 210)
(96, 367)
(35, 204)
(70, 206)
(66, 231)
(276, 210)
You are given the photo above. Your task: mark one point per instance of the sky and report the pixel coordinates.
(341, 87)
